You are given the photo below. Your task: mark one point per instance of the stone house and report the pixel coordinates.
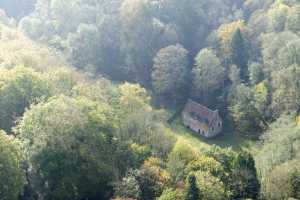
(201, 119)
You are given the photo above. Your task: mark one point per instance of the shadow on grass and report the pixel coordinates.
(225, 140)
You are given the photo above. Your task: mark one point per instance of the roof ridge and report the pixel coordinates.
(198, 104)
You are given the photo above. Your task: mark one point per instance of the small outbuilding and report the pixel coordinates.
(201, 119)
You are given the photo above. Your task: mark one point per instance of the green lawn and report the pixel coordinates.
(233, 140)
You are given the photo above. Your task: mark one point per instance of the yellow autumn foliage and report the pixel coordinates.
(154, 166)
(134, 97)
(21, 51)
(261, 88)
(226, 31)
(298, 121)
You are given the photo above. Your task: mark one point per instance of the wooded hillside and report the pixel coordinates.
(87, 88)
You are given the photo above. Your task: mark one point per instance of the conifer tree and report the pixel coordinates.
(192, 191)
(239, 55)
(246, 183)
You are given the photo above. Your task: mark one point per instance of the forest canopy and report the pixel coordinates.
(91, 94)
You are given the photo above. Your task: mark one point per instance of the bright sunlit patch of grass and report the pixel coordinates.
(225, 140)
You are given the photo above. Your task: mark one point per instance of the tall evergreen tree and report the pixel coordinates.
(239, 54)
(245, 180)
(295, 182)
(193, 192)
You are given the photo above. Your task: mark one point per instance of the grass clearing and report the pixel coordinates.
(225, 140)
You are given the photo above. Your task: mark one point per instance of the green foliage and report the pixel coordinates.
(170, 194)
(169, 74)
(295, 182)
(246, 108)
(245, 183)
(145, 128)
(280, 145)
(224, 156)
(277, 16)
(153, 179)
(212, 188)
(272, 43)
(140, 29)
(208, 75)
(178, 158)
(84, 136)
(293, 19)
(82, 45)
(141, 153)
(134, 98)
(11, 173)
(283, 181)
(256, 73)
(137, 23)
(285, 97)
(206, 164)
(192, 190)
(239, 54)
(242, 178)
(129, 187)
(77, 133)
(225, 34)
(289, 55)
(19, 88)
(234, 75)
(64, 81)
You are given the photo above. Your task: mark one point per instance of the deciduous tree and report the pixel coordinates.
(169, 76)
(208, 76)
(11, 173)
